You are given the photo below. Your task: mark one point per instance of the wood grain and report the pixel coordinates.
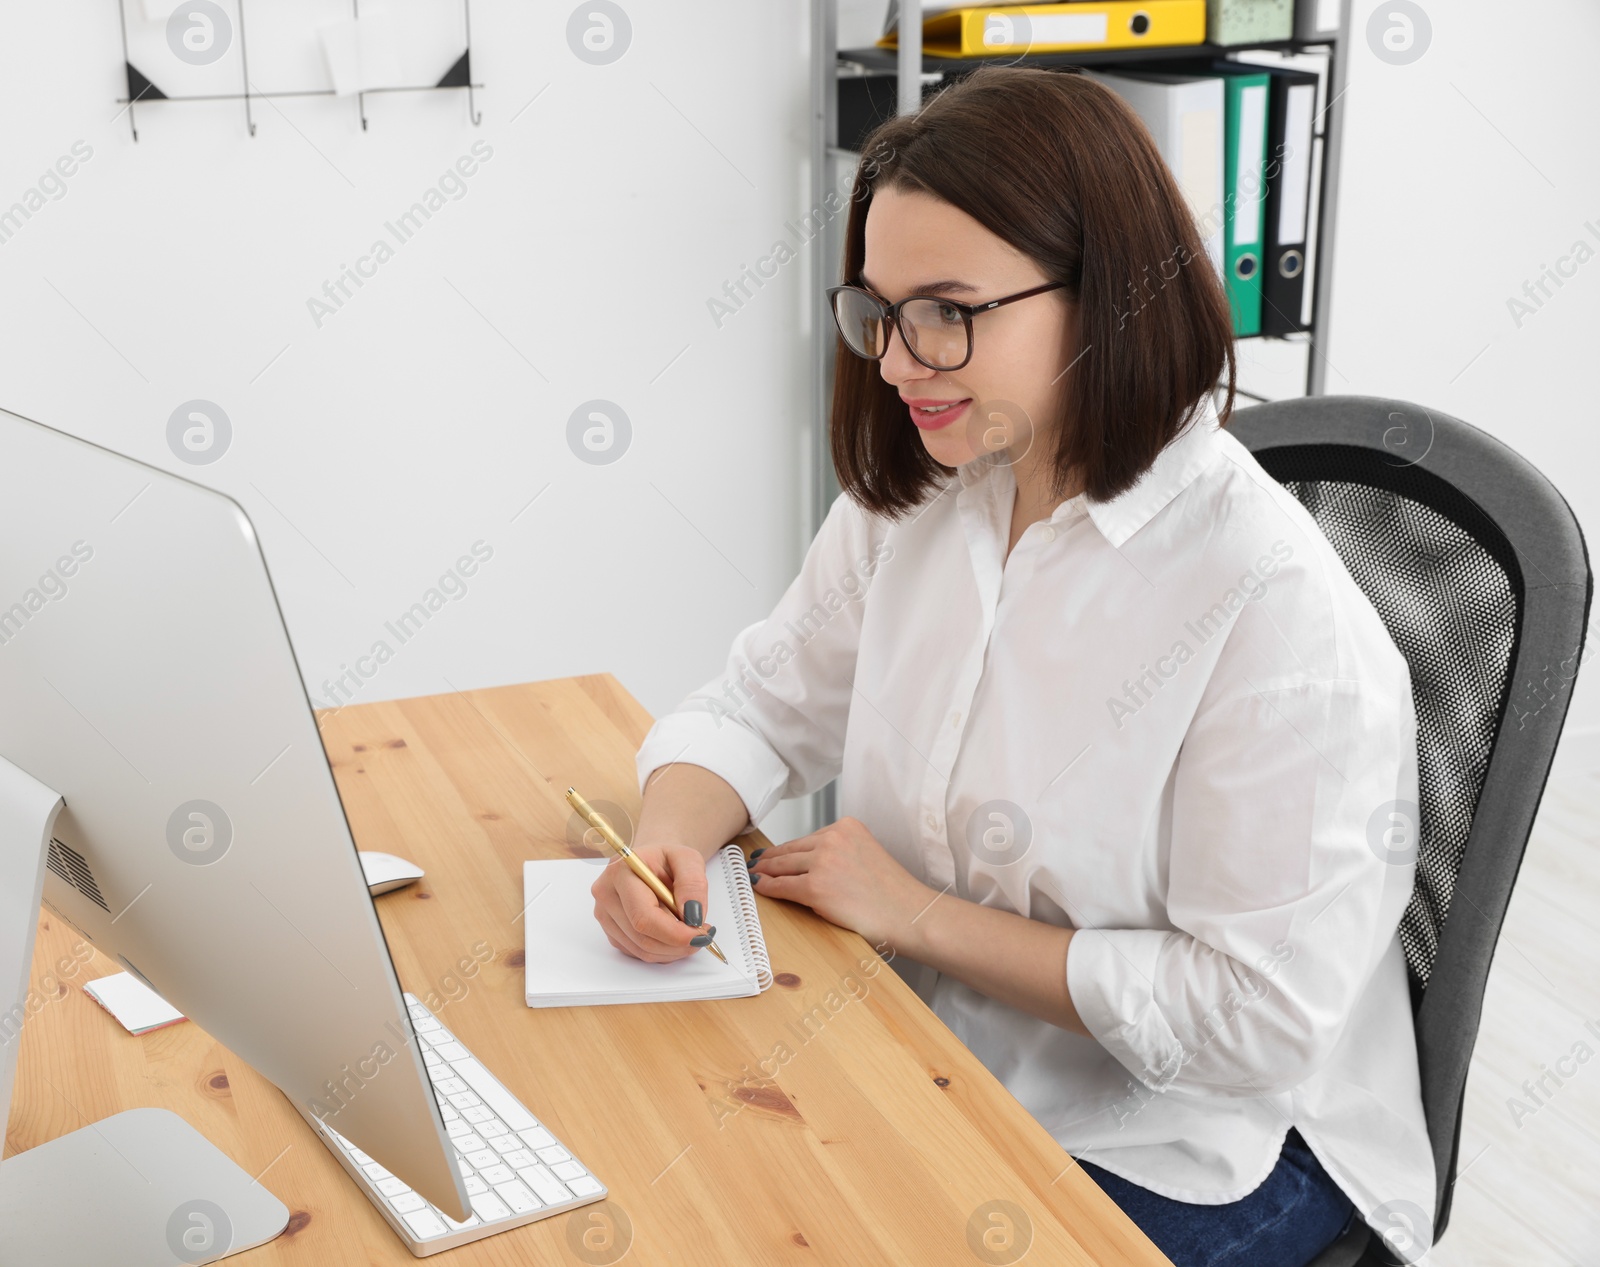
(832, 1120)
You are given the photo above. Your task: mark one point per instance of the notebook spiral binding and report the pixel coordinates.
(744, 915)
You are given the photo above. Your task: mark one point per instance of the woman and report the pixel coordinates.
(1121, 747)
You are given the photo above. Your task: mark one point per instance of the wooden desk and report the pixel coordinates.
(880, 1139)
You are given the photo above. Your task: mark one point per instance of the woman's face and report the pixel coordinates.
(1008, 395)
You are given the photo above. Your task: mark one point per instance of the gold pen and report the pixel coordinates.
(599, 823)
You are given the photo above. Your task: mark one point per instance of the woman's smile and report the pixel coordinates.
(931, 414)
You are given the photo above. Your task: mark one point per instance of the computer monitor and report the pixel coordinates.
(147, 678)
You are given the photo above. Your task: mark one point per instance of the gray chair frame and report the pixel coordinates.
(1435, 459)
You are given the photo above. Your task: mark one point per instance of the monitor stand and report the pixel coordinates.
(141, 1188)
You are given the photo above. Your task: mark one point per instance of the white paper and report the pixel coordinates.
(361, 53)
(569, 961)
(1297, 165)
(1252, 145)
(1051, 28)
(138, 1007)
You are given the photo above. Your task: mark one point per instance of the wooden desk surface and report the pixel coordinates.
(742, 1135)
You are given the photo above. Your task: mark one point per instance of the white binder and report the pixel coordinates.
(1185, 116)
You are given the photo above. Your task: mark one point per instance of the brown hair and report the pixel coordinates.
(1060, 167)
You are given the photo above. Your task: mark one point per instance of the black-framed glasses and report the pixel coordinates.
(937, 331)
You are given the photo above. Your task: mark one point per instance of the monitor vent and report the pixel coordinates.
(71, 866)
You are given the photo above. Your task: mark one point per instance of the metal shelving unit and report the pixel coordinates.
(903, 76)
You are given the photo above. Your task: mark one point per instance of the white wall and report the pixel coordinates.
(1466, 173)
(426, 412)
(374, 451)
(860, 22)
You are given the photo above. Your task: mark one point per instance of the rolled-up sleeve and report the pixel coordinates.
(1288, 873)
(772, 723)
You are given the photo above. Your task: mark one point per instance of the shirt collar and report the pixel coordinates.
(1185, 456)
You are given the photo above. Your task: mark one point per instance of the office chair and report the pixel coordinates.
(1479, 571)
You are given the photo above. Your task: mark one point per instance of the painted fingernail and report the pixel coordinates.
(758, 853)
(693, 913)
(755, 876)
(704, 939)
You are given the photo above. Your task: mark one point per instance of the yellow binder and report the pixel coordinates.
(985, 30)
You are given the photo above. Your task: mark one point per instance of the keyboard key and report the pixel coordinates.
(490, 1207)
(424, 1224)
(510, 1165)
(550, 1189)
(517, 1197)
(509, 1108)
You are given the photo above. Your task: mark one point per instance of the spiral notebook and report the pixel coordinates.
(569, 962)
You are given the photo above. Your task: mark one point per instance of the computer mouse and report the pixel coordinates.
(385, 872)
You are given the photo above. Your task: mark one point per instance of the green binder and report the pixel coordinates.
(1245, 196)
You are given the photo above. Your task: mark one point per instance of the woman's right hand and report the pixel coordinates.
(635, 921)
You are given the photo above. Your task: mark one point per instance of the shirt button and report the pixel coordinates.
(1049, 533)
(955, 718)
(933, 822)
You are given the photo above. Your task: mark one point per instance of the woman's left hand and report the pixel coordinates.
(844, 875)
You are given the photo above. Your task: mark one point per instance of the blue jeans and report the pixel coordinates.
(1294, 1215)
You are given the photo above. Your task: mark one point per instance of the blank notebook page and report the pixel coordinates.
(570, 963)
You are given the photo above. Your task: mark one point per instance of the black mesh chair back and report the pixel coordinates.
(1479, 570)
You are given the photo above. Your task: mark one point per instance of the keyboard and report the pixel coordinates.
(515, 1170)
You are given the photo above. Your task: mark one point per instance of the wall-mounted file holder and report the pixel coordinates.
(143, 89)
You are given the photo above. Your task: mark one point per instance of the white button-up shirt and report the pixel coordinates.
(1170, 721)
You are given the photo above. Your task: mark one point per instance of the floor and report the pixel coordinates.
(1528, 1188)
